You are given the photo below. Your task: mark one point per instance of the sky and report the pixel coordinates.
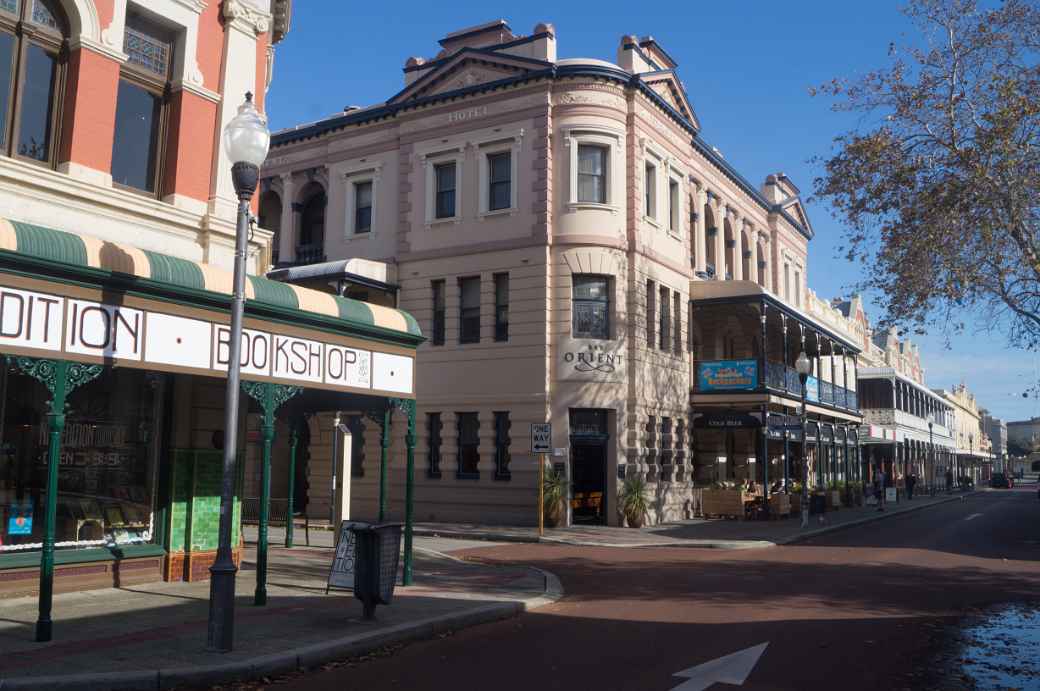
(747, 68)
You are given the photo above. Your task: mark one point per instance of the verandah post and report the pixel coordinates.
(409, 492)
(60, 377)
(294, 440)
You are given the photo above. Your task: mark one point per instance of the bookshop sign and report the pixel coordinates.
(52, 325)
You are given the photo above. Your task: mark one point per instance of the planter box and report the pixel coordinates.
(780, 505)
(833, 499)
(724, 502)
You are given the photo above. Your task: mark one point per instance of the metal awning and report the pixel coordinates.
(76, 297)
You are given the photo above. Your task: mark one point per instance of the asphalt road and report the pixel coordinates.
(863, 608)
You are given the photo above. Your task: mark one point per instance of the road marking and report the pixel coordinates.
(729, 669)
(973, 516)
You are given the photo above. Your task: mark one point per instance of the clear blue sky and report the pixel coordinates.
(747, 67)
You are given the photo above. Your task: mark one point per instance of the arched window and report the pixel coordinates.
(33, 54)
(141, 104)
(310, 243)
(271, 219)
(762, 265)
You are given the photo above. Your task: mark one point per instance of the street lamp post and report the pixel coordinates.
(803, 366)
(246, 141)
(931, 453)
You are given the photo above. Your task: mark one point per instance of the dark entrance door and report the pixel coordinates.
(589, 501)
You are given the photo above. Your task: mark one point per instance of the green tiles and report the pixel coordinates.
(180, 272)
(413, 325)
(195, 501)
(54, 245)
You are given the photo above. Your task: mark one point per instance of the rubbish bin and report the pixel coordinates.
(377, 552)
(817, 504)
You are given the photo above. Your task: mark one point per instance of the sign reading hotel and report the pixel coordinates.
(138, 338)
(727, 375)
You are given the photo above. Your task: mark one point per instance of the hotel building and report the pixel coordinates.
(577, 253)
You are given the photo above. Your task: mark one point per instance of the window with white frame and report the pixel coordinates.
(595, 172)
(500, 180)
(444, 176)
(673, 205)
(360, 192)
(592, 173)
(363, 206)
(650, 191)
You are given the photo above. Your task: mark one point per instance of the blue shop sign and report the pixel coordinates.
(727, 375)
(812, 389)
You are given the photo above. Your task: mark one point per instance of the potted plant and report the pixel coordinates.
(634, 501)
(554, 496)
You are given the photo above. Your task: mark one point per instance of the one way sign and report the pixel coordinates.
(541, 437)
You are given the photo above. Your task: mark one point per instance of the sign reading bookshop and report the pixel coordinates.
(67, 327)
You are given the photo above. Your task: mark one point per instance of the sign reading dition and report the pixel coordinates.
(139, 338)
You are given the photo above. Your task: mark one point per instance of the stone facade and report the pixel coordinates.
(607, 176)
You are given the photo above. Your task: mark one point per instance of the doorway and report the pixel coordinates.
(589, 500)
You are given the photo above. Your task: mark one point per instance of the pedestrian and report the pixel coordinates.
(881, 492)
(911, 480)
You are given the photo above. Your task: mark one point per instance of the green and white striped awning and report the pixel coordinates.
(74, 250)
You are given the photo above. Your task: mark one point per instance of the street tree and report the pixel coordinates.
(939, 183)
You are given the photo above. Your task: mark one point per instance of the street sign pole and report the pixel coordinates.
(541, 442)
(541, 495)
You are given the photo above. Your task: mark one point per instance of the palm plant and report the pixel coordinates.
(635, 500)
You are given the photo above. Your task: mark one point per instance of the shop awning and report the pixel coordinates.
(76, 297)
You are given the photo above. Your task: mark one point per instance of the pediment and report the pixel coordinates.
(796, 209)
(468, 68)
(666, 84)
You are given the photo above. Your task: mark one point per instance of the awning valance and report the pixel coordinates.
(76, 297)
(84, 251)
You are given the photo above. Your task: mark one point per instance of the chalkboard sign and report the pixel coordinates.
(341, 575)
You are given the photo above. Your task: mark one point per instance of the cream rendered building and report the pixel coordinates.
(974, 448)
(550, 223)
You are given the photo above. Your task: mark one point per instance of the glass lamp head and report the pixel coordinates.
(246, 137)
(802, 364)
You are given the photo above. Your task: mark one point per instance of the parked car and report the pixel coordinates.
(1001, 481)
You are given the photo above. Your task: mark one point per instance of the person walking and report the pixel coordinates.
(911, 481)
(881, 490)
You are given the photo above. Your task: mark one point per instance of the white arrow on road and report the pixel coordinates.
(729, 669)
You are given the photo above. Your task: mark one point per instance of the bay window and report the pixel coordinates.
(590, 305)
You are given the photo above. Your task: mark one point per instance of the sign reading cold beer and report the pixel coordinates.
(139, 338)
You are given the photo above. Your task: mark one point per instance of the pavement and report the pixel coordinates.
(702, 533)
(861, 608)
(154, 636)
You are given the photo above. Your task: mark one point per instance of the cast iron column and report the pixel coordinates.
(384, 470)
(294, 440)
(409, 491)
(61, 378)
(805, 457)
(270, 397)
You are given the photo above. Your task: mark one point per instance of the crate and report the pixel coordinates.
(780, 505)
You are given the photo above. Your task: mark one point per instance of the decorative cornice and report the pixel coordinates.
(246, 17)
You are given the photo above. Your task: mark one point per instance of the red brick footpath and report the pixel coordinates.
(154, 636)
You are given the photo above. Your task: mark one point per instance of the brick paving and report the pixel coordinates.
(163, 625)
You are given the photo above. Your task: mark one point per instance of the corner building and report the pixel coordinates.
(555, 226)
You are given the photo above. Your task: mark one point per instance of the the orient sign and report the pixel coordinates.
(591, 360)
(727, 375)
(138, 338)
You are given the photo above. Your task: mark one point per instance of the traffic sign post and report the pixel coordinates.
(541, 444)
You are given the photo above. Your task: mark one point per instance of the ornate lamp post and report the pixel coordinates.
(804, 366)
(246, 141)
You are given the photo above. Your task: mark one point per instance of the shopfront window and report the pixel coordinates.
(106, 478)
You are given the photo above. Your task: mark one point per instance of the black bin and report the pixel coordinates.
(377, 552)
(817, 504)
